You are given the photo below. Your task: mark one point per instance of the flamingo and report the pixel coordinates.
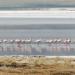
(11, 41)
(23, 41)
(50, 41)
(38, 41)
(67, 42)
(59, 41)
(55, 42)
(1, 41)
(28, 41)
(23, 44)
(5, 41)
(1, 46)
(18, 42)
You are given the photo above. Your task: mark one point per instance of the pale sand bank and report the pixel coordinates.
(50, 13)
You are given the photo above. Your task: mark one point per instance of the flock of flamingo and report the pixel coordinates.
(23, 45)
(36, 41)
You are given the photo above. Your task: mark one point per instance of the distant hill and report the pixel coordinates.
(14, 4)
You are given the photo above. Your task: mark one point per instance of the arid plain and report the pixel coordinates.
(23, 65)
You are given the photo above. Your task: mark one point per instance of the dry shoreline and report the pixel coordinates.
(36, 65)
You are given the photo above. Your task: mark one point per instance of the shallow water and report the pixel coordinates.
(35, 49)
(36, 33)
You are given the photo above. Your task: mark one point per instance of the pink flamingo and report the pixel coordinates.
(1, 46)
(18, 42)
(67, 43)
